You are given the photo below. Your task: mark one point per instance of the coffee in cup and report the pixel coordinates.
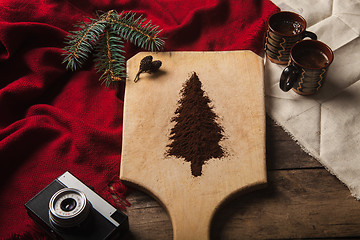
(307, 68)
(283, 31)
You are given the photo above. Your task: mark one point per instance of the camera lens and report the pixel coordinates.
(68, 204)
(68, 207)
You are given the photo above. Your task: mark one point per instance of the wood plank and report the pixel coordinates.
(147, 218)
(309, 203)
(282, 152)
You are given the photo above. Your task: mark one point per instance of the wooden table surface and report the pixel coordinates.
(302, 200)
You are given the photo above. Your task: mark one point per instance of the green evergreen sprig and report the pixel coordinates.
(109, 58)
(138, 31)
(106, 35)
(80, 43)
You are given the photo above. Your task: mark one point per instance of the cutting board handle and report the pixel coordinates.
(192, 223)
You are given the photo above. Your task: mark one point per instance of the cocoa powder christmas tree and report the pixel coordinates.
(196, 134)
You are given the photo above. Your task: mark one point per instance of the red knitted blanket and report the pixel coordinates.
(52, 120)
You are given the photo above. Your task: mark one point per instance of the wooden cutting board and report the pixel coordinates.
(233, 81)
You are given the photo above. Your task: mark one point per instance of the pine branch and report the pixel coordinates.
(81, 43)
(106, 35)
(109, 57)
(139, 31)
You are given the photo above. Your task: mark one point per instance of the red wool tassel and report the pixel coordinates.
(115, 194)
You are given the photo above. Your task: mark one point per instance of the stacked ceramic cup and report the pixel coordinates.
(308, 60)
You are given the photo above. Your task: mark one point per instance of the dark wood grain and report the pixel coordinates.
(307, 203)
(301, 200)
(282, 152)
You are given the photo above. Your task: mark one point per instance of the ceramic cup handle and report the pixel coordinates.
(288, 77)
(309, 35)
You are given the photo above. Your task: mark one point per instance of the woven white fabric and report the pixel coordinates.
(327, 124)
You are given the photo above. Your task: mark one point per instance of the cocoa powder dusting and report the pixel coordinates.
(196, 134)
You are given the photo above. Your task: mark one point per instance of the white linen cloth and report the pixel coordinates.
(327, 124)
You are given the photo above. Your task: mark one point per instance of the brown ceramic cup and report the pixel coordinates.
(283, 31)
(307, 68)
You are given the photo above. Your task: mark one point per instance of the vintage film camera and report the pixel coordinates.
(68, 209)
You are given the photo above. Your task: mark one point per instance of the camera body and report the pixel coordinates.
(68, 209)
